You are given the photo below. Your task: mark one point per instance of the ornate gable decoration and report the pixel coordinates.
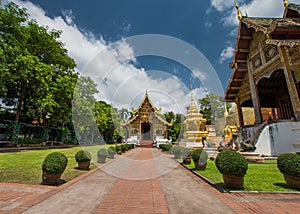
(146, 112)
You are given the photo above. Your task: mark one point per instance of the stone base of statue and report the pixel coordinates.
(191, 144)
(253, 157)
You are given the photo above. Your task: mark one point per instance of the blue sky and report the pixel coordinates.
(210, 26)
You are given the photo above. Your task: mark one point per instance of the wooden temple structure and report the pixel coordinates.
(266, 66)
(146, 124)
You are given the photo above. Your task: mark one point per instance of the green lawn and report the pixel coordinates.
(26, 167)
(259, 177)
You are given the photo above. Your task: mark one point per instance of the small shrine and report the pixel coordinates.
(147, 124)
(194, 127)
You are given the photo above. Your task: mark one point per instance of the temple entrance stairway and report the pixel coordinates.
(146, 143)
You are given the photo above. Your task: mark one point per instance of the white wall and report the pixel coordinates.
(278, 138)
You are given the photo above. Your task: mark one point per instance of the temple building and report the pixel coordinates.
(266, 77)
(146, 124)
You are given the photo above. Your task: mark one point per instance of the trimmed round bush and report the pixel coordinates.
(199, 156)
(102, 153)
(118, 148)
(83, 156)
(230, 162)
(176, 150)
(54, 163)
(111, 150)
(185, 152)
(289, 163)
(124, 147)
(165, 147)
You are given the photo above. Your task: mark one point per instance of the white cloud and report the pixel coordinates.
(119, 81)
(199, 75)
(227, 53)
(221, 5)
(254, 8)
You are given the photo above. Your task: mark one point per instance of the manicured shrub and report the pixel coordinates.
(165, 147)
(54, 163)
(102, 153)
(230, 162)
(111, 152)
(185, 152)
(289, 163)
(176, 150)
(118, 149)
(124, 147)
(83, 156)
(128, 147)
(199, 156)
(25, 141)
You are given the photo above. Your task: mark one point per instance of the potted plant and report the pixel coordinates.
(186, 155)
(176, 150)
(165, 147)
(102, 154)
(83, 158)
(233, 166)
(53, 166)
(123, 147)
(111, 151)
(200, 157)
(119, 150)
(289, 165)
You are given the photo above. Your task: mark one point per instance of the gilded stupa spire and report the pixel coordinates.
(239, 13)
(285, 3)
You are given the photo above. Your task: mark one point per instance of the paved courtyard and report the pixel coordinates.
(142, 180)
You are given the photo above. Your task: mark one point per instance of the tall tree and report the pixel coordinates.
(176, 130)
(36, 71)
(108, 121)
(83, 108)
(212, 107)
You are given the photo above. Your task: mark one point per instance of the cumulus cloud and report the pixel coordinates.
(112, 66)
(254, 8)
(221, 5)
(227, 53)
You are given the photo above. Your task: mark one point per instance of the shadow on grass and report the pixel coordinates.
(285, 186)
(223, 186)
(77, 168)
(60, 182)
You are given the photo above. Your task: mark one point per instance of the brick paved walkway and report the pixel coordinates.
(136, 196)
(140, 181)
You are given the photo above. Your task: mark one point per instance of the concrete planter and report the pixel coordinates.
(187, 160)
(201, 166)
(84, 165)
(233, 182)
(49, 179)
(292, 181)
(101, 159)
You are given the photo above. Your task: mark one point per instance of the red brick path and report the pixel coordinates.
(136, 196)
(145, 196)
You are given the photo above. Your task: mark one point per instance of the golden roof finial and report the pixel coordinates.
(239, 13)
(285, 3)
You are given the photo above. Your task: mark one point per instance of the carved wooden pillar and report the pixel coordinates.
(292, 88)
(254, 94)
(240, 112)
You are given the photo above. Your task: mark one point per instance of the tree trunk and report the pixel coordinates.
(20, 104)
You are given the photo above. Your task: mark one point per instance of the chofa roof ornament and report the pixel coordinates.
(285, 3)
(240, 16)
